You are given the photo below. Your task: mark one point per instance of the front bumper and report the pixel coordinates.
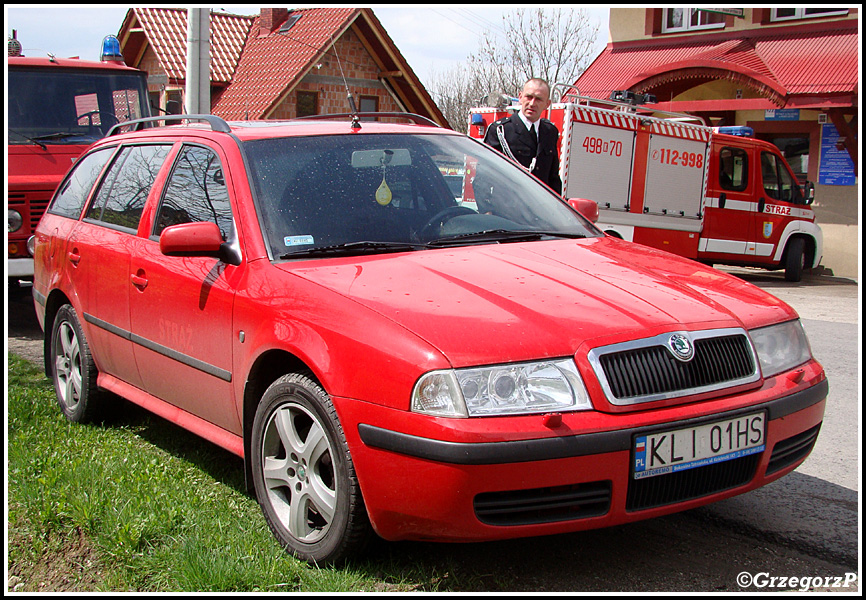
(19, 267)
(429, 487)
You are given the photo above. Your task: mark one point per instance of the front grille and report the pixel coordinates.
(647, 370)
(38, 206)
(795, 448)
(544, 505)
(660, 490)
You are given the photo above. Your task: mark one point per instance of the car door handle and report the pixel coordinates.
(139, 282)
(74, 257)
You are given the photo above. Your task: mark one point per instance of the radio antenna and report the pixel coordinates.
(356, 122)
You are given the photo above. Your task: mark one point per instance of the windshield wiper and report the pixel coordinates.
(352, 248)
(57, 136)
(30, 139)
(500, 236)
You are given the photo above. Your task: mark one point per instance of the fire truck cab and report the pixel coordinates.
(56, 108)
(716, 195)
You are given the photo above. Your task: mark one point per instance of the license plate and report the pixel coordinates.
(692, 447)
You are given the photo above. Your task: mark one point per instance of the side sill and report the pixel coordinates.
(198, 426)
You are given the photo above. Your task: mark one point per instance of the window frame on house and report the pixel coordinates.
(299, 94)
(364, 103)
(687, 25)
(797, 14)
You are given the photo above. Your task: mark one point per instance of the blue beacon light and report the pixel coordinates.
(111, 49)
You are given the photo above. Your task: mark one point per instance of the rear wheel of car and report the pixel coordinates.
(795, 259)
(73, 370)
(303, 474)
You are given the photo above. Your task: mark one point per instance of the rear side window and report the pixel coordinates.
(124, 190)
(196, 191)
(75, 190)
(733, 169)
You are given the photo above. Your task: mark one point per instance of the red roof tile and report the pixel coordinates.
(166, 31)
(273, 63)
(789, 63)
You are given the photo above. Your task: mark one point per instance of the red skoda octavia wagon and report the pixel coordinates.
(395, 355)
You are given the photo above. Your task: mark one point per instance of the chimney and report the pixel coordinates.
(270, 19)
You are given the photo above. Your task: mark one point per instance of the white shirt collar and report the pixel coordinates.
(527, 122)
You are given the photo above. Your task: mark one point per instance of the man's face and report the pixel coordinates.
(534, 100)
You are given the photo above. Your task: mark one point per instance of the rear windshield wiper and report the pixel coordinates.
(353, 248)
(500, 236)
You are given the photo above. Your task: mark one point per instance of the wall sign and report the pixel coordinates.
(782, 114)
(836, 166)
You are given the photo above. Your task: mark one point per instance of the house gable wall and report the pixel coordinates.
(361, 73)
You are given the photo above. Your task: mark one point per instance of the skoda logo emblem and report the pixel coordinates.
(681, 347)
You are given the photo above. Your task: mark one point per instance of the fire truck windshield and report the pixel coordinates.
(56, 106)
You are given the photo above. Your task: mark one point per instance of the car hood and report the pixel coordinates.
(520, 301)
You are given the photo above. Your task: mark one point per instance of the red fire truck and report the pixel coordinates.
(57, 107)
(716, 195)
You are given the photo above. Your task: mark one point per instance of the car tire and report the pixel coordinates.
(795, 259)
(73, 370)
(303, 474)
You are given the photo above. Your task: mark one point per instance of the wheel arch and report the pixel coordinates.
(811, 234)
(56, 299)
(266, 369)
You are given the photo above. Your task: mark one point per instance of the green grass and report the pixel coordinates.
(137, 504)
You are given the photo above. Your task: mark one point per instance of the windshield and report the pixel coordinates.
(54, 106)
(372, 193)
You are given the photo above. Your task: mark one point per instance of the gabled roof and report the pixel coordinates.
(779, 62)
(260, 68)
(165, 30)
(273, 64)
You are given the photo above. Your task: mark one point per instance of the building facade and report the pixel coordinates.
(279, 64)
(791, 74)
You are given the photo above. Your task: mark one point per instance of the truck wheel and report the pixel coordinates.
(795, 259)
(303, 474)
(73, 370)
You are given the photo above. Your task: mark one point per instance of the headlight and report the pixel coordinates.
(781, 347)
(14, 220)
(521, 388)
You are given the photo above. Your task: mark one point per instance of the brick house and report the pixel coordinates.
(791, 74)
(279, 64)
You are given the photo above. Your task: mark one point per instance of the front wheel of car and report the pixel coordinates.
(73, 370)
(303, 474)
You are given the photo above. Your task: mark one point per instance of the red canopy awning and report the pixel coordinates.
(797, 67)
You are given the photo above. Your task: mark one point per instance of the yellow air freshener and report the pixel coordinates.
(383, 194)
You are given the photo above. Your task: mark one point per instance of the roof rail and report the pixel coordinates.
(216, 123)
(417, 119)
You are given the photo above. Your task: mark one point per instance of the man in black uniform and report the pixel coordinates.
(529, 139)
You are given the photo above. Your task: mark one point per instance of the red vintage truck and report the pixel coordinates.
(716, 195)
(57, 107)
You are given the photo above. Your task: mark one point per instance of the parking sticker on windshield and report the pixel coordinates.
(298, 240)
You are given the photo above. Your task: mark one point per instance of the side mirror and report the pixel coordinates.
(588, 208)
(191, 239)
(809, 192)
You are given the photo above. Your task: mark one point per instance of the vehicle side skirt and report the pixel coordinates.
(217, 435)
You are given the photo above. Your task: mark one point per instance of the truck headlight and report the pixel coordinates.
(781, 347)
(522, 388)
(15, 220)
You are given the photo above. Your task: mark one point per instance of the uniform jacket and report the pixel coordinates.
(520, 143)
